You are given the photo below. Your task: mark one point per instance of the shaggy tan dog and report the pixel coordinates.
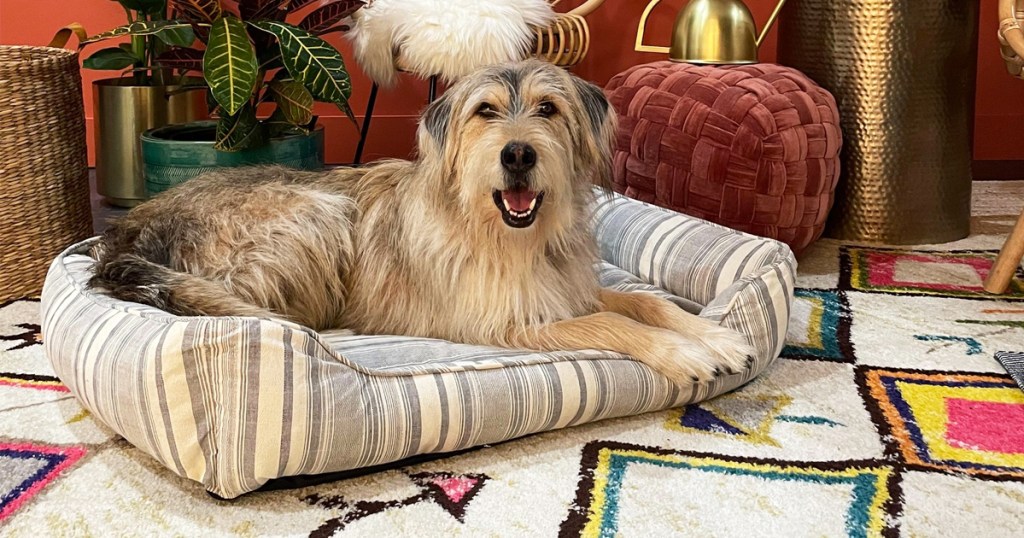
(485, 238)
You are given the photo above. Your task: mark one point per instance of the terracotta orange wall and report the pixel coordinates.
(1000, 98)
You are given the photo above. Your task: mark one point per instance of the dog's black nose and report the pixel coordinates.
(518, 157)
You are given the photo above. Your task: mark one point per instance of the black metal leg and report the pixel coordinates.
(365, 131)
(433, 90)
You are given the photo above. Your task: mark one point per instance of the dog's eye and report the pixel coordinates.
(486, 110)
(547, 109)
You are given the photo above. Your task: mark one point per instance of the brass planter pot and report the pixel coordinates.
(903, 74)
(123, 112)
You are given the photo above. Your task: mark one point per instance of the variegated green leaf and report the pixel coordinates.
(328, 16)
(296, 5)
(254, 10)
(344, 107)
(293, 100)
(212, 106)
(229, 64)
(239, 131)
(177, 37)
(151, 7)
(141, 28)
(111, 58)
(311, 61)
(180, 58)
(199, 10)
(277, 125)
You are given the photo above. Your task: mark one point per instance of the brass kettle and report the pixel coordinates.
(711, 32)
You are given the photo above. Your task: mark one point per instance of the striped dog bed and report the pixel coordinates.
(236, 402)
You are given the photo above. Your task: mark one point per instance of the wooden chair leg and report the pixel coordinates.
(1009, 259)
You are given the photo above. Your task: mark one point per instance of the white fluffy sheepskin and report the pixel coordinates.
(448, 38)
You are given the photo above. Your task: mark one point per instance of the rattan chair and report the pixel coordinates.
(1011, 40)
(565, 43)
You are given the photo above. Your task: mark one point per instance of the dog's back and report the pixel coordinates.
(261, 241)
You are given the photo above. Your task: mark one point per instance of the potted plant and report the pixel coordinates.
(263, 74)
(145, 96)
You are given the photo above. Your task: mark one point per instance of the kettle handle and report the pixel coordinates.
(640, 47)
(642, 28)
(771, 22)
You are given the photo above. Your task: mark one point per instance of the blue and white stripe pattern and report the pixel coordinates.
(1014, 364)
(235, 402)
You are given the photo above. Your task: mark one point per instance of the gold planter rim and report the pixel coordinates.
(128, 82)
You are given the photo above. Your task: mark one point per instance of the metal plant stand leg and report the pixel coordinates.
(365, 131)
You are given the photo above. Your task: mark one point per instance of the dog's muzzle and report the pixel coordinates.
(517, 202)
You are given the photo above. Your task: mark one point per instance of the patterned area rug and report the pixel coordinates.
(888, 415)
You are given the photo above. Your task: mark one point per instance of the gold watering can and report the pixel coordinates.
(711, 32)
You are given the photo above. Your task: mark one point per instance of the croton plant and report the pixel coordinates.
(253, 55)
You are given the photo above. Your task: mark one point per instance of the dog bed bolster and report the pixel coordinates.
(235, 402)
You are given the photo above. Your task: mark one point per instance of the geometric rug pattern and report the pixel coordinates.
(887, 415)
(959, 423)
(820, 328)
(25, 469)
(865, 489)
(958, 273)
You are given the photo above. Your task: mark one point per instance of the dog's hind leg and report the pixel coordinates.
(649, 309)
(683, 360)
(133, 278)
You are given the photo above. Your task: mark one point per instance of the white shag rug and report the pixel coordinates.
(887, 416)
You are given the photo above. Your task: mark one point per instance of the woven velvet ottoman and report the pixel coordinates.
(752, 147)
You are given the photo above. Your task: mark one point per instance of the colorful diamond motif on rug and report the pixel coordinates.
(28, 468)
(29, 336)
(736, 415)
(32, 381)
(960, 423)
(819, 327)
(613, 475)
(908, 272)
(452, 492)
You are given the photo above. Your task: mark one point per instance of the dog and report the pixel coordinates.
(484, 238)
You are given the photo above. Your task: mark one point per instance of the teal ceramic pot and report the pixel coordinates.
(176, 153)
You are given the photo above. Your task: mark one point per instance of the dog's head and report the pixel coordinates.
(520, 145)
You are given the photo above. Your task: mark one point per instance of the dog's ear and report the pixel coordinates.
(599, 120)
(595, 105)
(436, 120)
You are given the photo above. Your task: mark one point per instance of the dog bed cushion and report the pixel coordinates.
(235, 402)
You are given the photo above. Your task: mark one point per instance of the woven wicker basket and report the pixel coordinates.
(44, 204)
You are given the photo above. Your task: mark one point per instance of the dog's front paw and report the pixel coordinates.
(683, 360)
(687, 360)
(730, 349)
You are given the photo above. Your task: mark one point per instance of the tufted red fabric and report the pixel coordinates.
(752, 147)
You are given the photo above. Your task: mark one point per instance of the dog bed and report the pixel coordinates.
(236, 402)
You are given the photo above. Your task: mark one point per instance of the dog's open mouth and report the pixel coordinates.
(518, 207)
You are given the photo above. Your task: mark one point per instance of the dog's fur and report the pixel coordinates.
(421, 248)
(448, 38)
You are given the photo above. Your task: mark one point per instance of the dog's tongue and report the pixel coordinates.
(519, 200)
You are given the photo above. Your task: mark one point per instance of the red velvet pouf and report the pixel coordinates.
(752, 147)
